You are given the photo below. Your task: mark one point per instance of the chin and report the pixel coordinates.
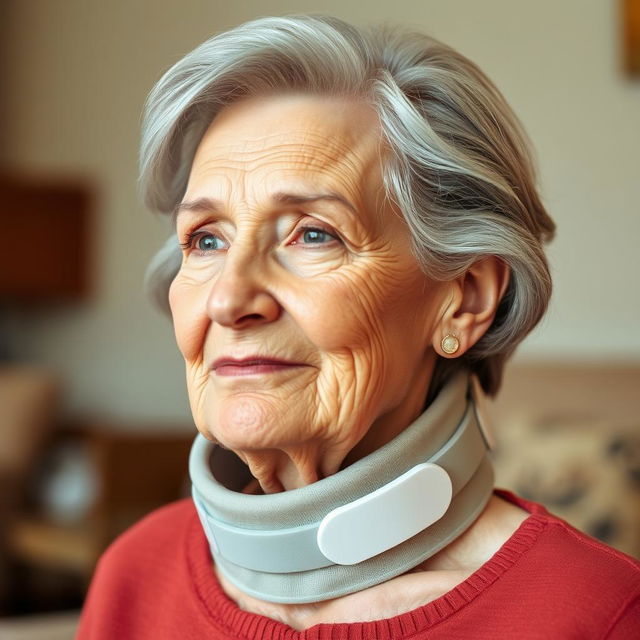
(246, 423)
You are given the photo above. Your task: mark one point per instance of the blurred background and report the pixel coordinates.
(94, 419)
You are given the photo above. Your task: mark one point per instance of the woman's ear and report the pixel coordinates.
(472, 305)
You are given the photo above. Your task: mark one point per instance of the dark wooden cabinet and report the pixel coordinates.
(44, 240)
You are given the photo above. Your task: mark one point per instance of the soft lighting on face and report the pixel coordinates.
(303, 317)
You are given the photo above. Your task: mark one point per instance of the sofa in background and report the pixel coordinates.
(568, 436)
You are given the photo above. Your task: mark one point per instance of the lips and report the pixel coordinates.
(252, 365)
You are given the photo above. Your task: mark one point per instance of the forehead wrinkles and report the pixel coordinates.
(307, 148)
(344, 161)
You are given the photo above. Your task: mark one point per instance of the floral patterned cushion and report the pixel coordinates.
(588, 474)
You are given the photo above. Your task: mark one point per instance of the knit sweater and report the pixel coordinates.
(548, 581)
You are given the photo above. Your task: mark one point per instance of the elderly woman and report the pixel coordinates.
(358, 250)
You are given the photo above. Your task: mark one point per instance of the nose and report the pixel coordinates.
(239, 297)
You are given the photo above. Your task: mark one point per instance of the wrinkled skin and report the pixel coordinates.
(347, 303)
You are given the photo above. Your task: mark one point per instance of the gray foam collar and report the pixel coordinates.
(267, 545)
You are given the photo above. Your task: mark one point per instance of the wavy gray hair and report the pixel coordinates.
(459, 168)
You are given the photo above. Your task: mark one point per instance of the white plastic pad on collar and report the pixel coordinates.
(384, 518)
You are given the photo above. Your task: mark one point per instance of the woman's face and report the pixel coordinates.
(304, 320)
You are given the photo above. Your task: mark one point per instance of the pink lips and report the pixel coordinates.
(252, 365)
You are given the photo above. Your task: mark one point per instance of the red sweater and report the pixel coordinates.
(548, 581)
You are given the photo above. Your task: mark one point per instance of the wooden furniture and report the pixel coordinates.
(136, 471)
(29, 398)
(631, 36)
(48, 220)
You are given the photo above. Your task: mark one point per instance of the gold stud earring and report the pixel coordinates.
(450, 344)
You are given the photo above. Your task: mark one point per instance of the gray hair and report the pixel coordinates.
(459, 167)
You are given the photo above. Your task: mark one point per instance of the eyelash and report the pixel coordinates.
(191, 237)
(194, 235)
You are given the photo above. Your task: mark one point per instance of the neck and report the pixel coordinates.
(290, 547)
(301, 464)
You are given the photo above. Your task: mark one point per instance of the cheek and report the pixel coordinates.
(190, 321)
(376, 313)
(330, 313)
(345, 311)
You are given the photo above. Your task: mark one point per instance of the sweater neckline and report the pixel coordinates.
(227, 616)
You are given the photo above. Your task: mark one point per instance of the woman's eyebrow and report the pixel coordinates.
(210, 205)
(294, 198)
(200, 204)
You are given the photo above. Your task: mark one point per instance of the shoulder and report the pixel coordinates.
(589, 562)
(569, 560)
(156, 528)
(151, 545)
(160, 523)
(572, 585)
(140, 576)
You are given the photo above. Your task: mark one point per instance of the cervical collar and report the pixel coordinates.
(374, 520)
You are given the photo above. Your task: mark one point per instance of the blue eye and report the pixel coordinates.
(203, 242)
(208, 242)
(315, 236)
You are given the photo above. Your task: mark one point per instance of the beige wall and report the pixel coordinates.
(75, 76)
